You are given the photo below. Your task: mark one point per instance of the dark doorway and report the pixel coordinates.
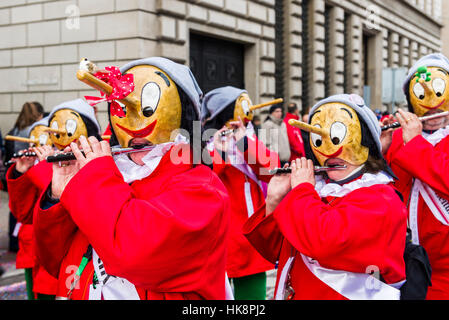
(216, 63)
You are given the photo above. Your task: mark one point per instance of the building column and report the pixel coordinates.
(336, 50)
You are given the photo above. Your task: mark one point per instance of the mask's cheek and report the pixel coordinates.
(355, 154)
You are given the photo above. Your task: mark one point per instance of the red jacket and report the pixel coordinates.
(420, 159)
(166, 234)
(367, 227)
(243, 259)
(295, 138)
(23, 195)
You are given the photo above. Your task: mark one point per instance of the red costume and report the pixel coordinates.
(243, 259)
(353, 233)
(166, 233)
(295, 138)
(419, 159)
(23, 195)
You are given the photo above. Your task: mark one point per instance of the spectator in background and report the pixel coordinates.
(294, 134)
(305, 116)
(30, 113)
(256, 124)
(274, 134)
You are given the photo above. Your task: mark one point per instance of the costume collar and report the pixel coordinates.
(366, 180)
(437, 136)
(131, 171)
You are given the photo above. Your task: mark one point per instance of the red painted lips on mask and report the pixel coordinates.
(431, 108)
(145, 132)
(336, 154)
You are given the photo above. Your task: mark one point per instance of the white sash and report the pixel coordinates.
(353, 286)
(110, 287)
(438, 206)
(229, 295)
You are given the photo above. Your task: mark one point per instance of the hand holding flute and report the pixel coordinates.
(302, 172)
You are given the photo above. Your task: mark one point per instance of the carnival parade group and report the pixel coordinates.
(127, 214)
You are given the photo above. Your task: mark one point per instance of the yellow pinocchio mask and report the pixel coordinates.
(341, 135)
(66, 126)
(156, 113)
(242, 109)
(429, 90)
(40, 134)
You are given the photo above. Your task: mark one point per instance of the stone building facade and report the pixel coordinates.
(301, 50)
(343, 46)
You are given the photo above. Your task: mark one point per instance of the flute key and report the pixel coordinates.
(317, 169)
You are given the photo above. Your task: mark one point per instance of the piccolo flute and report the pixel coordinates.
(317, 169)
(19, 155)
(227, 132)
(422, 119)
(24, 154)
(68, 156)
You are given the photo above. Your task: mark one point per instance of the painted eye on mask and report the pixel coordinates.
(245, 107)
(54, 125)
(317, 140)
(151, 94)
(418, 90)
(43, 139)
(338, 133)
(70, 127)
(439, 86)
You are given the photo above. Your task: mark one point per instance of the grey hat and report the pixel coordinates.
(42, 122)
(358, 105)
(437, 60)
(80, 106)
(217, 100)
(180, 74)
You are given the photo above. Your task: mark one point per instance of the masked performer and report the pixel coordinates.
(418, 154)
(239, 159)
(148, 225)
(329, 233)
(29, 176)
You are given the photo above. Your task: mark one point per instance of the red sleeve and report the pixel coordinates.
(261, 159)
(421, 160)
(264, 235)
(23, 194)
(295, 139)
(366, 227)
(161, 243)
(53, 233)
